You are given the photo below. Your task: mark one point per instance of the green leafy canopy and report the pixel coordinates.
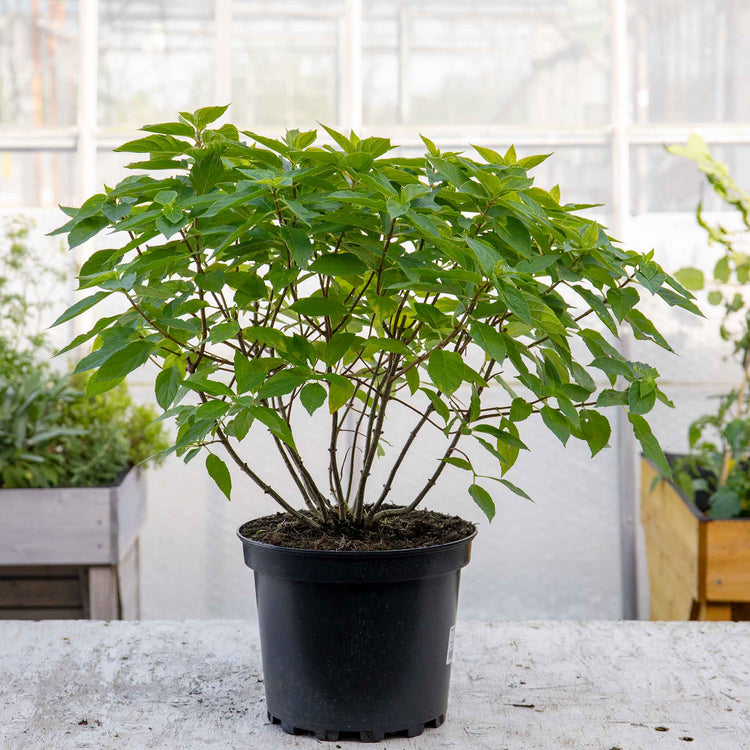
(265, 275)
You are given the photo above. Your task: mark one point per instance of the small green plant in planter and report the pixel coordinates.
(51, 433)
(275, 278)
(716, 472)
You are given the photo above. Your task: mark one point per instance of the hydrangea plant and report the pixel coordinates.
(265, 275)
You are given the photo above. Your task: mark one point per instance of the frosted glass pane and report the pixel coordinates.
(286, 63)
(38, 44)
(689, 60)
(536, 63)
(661, 181)
(155, 59)
(36, 178)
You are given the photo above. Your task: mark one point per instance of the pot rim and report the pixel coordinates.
(324, 553)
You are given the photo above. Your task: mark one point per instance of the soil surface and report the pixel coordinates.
(420, 528)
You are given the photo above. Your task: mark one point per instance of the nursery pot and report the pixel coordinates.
(357, 641)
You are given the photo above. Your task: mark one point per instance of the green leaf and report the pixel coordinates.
(446, 369)
(171, 128)
(281, 383)
(722, 270)
(725, 503)
(691, 278)
(514, 488)
(275, 423)
(339, 264)
(613, 366)
(516, 303)
(318, 307)
(213, 281)
(557, 423)
(483, 499)
(596, 430)
(218, 471)
(487, 255)
(223, 331)
(206, 115)
(248, 286)
(340, 390)
(240, 425)
(431, 315)
(337, 346)
(167, 386)
(412, 379)
(441, 408)
(610, 397)
(622, 301)
(714, 298)
(520, 410)
(489, 339)
(312, 396)
(80, 306)
(201, 384)
(396, 208)
(298, 243)
(165, 145)
(207, 172)
(125, 360)
(461, 463)
(649, 444)
(641, 401)
(212, 410)
(249, 373)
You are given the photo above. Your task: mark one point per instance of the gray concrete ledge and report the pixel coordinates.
(180, 685)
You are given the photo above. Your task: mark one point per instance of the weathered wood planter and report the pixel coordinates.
(72, 553)
(698, 567)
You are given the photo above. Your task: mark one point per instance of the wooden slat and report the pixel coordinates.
(128, 579)
(39, 571)
(130, 500)
(728, 560)
(55, 527)
(41, 613)
(672, 541)
(716, 612)
(103, 596)
(40, 592)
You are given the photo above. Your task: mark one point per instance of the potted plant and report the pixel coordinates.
(697, 524)
(272, 280)
(71, 501)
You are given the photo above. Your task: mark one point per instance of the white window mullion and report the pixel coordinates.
(88, 62)
(223, 75)
(627, 454)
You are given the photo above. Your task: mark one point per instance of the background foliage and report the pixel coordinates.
(718, 468)
(51, 433)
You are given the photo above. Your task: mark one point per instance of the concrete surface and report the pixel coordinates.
(605, 685)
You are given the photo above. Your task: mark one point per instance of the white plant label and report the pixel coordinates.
(451, 640)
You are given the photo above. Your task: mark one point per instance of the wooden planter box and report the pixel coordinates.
(72, 553)
(698, 567)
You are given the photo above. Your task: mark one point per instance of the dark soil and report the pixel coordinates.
(420, 528)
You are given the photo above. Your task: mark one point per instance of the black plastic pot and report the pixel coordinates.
(357, 641)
